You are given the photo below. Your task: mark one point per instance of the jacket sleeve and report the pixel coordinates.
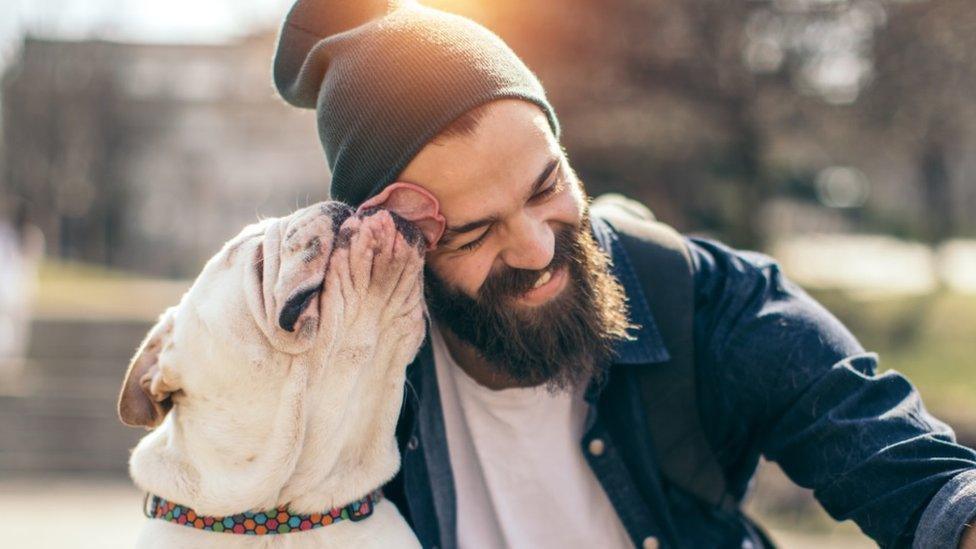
(806, 395)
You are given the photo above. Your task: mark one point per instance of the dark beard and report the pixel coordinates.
(563, 343)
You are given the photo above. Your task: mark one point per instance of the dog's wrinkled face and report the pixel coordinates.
(256, 305)
(290, 258)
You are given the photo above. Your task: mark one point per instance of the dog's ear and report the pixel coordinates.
(145, 396)
(415, 204)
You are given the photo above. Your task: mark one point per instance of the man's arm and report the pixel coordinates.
(804, 393)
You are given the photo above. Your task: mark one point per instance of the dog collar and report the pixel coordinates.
(275, 521)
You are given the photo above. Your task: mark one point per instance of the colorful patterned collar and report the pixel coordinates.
(276, 521)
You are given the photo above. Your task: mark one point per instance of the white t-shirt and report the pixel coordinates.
(520, 476)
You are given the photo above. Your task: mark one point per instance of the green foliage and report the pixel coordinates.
(931, 339)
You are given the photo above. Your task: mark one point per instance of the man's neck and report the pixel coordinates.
(473, 364)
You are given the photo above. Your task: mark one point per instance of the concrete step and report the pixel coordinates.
(63, 434)
(68, 423)
(62, 414)
(61, 371)
(68, 404)
(85, 339)
(16, 462)
(100, 386)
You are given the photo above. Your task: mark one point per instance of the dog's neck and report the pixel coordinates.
(311, 438)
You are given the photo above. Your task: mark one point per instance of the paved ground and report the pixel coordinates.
(59, 512)
(104, 513)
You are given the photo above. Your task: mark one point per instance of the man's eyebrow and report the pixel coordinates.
(544, 176)
(451, 232)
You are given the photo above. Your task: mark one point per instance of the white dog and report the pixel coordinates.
(274, 387)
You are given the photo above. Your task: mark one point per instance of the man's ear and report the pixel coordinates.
(145, 396)
(413, 203)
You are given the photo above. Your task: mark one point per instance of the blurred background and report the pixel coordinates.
(138, 135)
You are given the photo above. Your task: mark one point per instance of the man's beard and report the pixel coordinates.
(563, 343)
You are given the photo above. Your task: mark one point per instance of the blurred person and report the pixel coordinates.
(21, 248)
(591, 378)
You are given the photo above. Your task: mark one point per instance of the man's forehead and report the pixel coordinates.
(509, 134)
(490, 196)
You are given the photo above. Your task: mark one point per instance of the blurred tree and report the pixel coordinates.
(925, 74)
(664, 100)
(63, 143)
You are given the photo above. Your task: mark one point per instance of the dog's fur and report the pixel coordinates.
(250, 416)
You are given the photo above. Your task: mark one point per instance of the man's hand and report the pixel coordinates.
(968, 540)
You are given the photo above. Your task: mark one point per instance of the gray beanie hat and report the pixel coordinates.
(385, 77)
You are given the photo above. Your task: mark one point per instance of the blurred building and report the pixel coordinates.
(148, 157)
(751, 121)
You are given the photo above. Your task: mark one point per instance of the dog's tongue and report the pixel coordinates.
(413, 203)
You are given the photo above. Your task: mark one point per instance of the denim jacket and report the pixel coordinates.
(777, 376)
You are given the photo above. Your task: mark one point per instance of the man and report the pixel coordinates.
(524, 426)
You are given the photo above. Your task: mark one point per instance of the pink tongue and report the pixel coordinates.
(413, 203)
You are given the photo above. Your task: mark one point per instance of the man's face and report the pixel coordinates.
(516, 274)
(504, 191)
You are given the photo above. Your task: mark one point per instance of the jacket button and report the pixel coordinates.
(650, 542)
(413, 443)
(596, 447)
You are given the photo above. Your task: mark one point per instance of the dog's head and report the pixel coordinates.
(254, 307)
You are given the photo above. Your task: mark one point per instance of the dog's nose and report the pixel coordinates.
(309, 228)
(337, 211)
(309, 220)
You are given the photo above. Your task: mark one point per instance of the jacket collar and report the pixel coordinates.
(645, 344)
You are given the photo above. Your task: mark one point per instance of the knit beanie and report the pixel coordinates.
(385, 77)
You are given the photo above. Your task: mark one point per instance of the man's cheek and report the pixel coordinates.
(576, 202)
(473, 281)
(457, 273)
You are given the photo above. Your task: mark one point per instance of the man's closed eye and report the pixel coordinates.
(538, 197)
(474, 244)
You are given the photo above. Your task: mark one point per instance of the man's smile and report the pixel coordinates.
(550, 284)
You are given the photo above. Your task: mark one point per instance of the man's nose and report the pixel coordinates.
(530, 244)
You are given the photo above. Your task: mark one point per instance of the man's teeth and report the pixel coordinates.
(542, 279)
